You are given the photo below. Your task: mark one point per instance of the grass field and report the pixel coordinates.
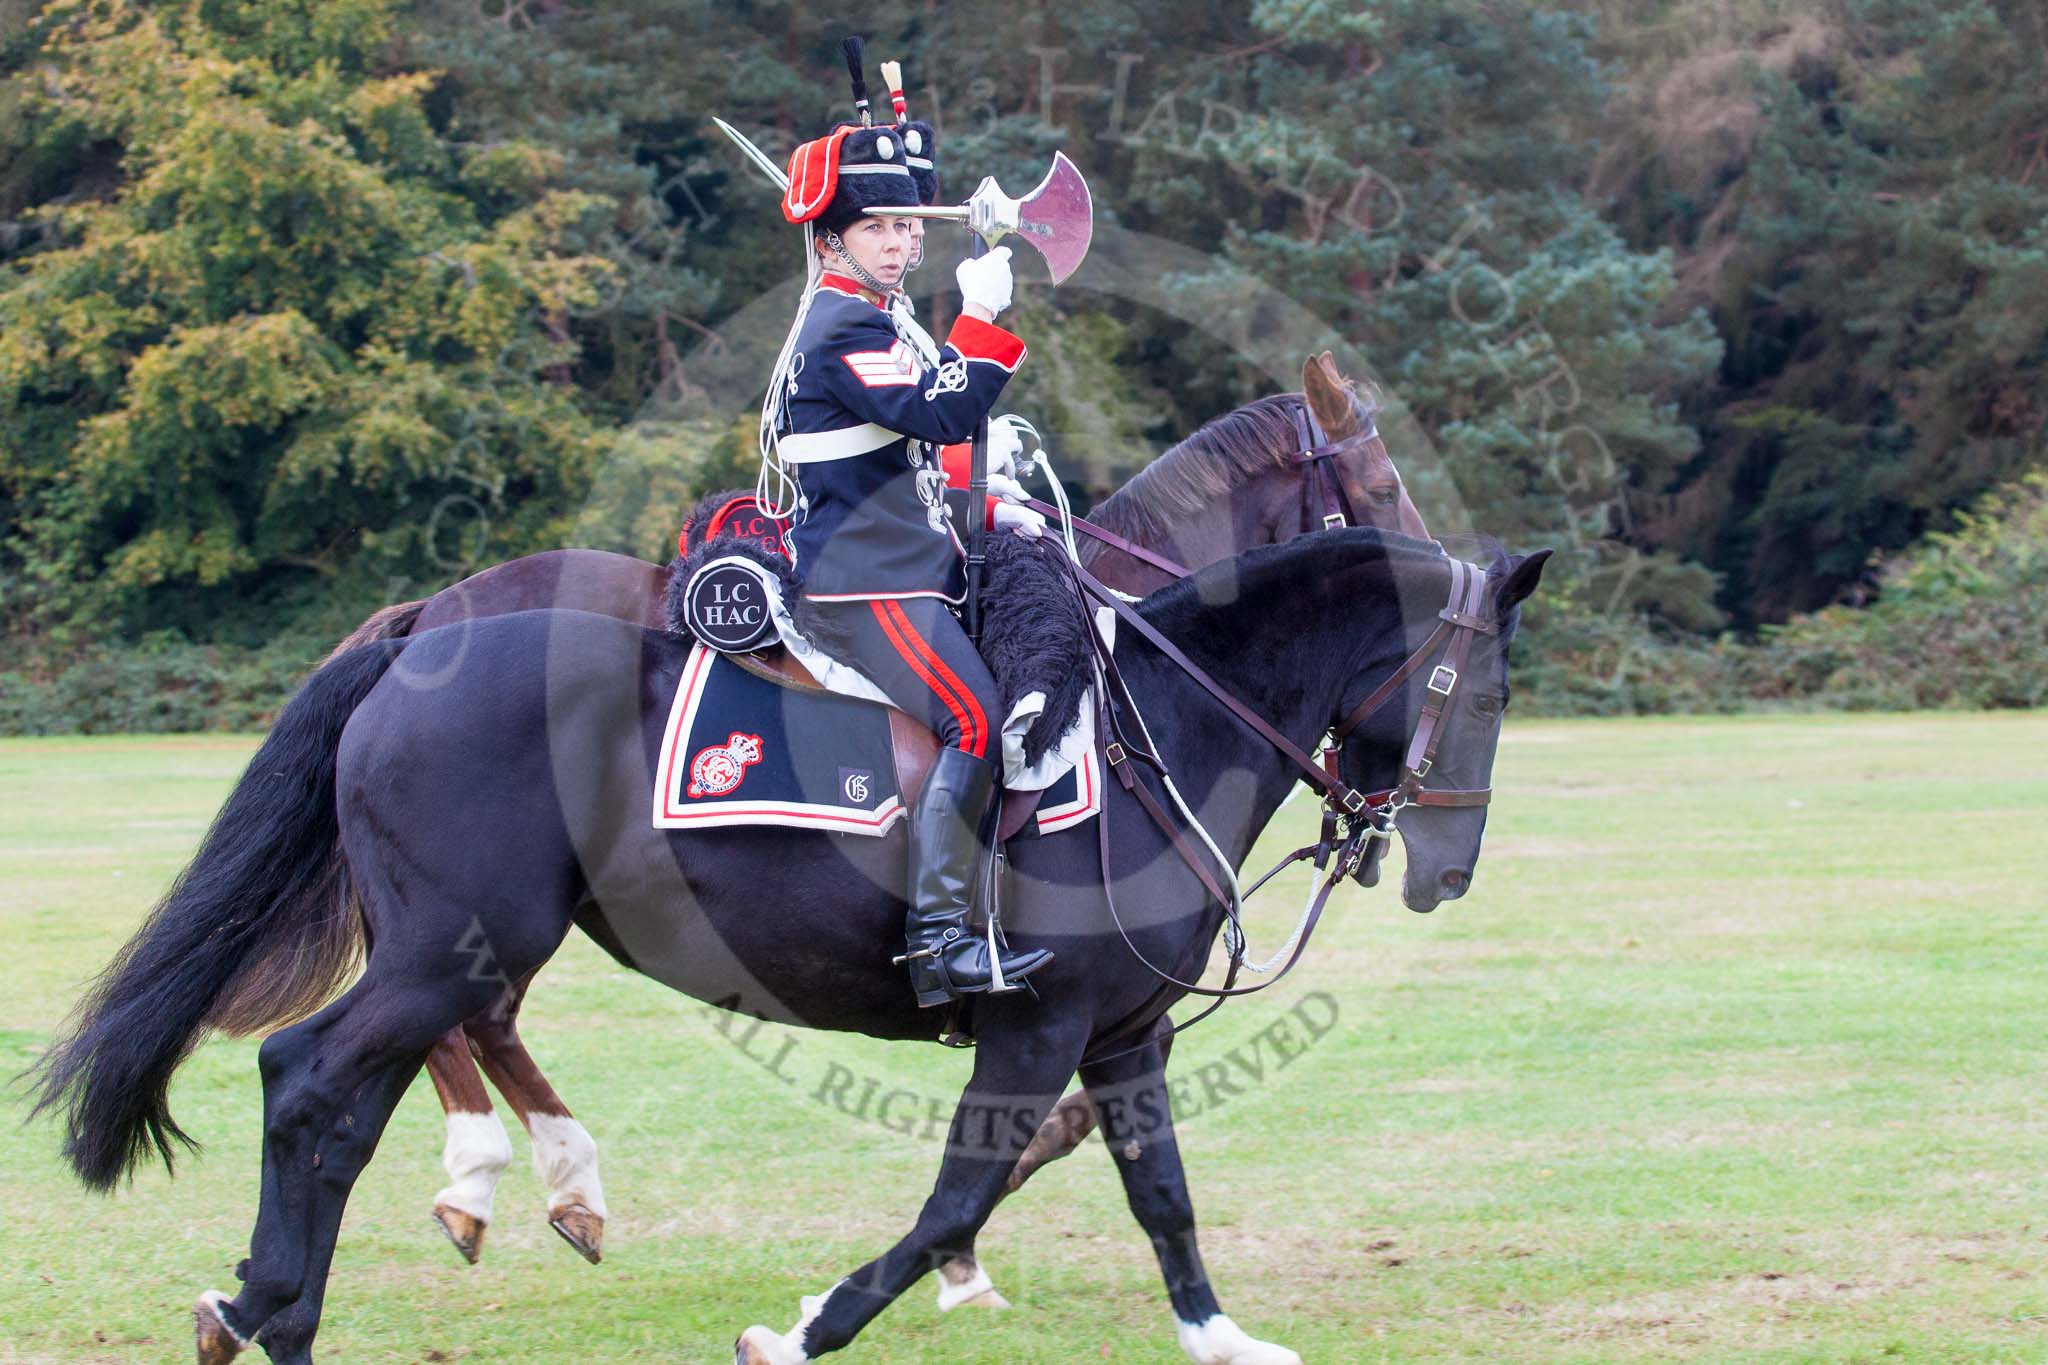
(1734, 1052)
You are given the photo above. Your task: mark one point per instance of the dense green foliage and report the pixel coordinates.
(1962, 620)
(305, 306)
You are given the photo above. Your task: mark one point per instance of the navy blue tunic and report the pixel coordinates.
(866, 417)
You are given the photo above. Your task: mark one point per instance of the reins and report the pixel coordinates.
(1351, 819)
(1109, 538)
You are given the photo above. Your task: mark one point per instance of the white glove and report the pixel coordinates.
(1005, 444)
(1024, 521)
(1007, 488)
(986, 280)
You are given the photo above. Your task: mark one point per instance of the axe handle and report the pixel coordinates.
(977, 504)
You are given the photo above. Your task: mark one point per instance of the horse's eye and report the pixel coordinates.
(1385, 494)
(1486, 704)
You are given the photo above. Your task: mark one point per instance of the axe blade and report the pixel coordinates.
(1058, 218)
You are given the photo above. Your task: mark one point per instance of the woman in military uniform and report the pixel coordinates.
(852, 424)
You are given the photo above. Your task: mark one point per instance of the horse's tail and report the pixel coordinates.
(258, 930)
(385, 623)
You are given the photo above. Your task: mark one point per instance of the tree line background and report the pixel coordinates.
(311, 305)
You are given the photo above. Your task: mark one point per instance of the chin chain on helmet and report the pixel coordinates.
(853, 267)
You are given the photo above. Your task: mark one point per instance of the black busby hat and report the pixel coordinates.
(837, 178)
(842, 176)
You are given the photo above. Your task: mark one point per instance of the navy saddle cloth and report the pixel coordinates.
(741, 749)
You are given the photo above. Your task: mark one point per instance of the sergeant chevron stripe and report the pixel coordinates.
(885, 369)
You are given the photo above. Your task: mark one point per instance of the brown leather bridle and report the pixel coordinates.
(1351, 819)
(1326, 503)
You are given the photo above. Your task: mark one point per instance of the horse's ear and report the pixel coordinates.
(1524, 572)
(1329, 397)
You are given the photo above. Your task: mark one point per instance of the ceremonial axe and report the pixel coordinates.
(1057, 220)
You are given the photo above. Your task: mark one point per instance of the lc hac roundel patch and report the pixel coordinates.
(726, 606)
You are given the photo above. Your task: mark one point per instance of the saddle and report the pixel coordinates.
(1035, 640)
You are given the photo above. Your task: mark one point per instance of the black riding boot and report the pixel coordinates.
(947, 958)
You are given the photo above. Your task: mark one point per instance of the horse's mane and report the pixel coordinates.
(1222, 455)
(1219, 457)
(1367, 542)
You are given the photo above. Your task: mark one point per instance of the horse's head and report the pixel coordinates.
(1371, 482)
(1442, 836)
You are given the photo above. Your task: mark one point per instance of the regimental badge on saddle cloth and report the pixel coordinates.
(722, 767)
(741, 750)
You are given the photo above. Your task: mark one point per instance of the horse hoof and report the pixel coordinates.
(976, 1292)
(217, 1341)
(759, 1346)
(466, 1230)
(581, 1229)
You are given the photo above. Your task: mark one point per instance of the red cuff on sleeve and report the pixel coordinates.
(978, 340)
(958, 462)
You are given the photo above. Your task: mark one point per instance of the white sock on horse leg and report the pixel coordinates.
(760, 1346)
(1219, 1341)
(477, 1152)
(565, 1159)
(952, 1294)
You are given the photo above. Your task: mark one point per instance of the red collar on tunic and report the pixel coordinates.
(846, 284)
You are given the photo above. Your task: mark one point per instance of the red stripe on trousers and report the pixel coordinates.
(905, 639)
(965, 692)
(915, 651)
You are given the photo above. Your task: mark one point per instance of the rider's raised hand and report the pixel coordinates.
(986, 281)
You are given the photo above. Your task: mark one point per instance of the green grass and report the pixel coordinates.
(1734, 1052)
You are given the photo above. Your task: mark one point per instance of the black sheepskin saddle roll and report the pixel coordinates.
(1034, 627)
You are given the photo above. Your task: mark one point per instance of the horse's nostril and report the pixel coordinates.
(1453, 882)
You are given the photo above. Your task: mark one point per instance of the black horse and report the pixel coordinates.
(481, 792)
